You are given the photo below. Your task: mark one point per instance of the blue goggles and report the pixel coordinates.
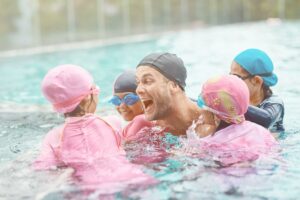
(200, 102)
(128, 99)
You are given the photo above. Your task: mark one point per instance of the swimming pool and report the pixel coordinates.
(26, 117)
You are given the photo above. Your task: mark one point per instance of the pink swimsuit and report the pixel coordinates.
(92, 147)
(79, 140)
(239, 142)
(131, 131)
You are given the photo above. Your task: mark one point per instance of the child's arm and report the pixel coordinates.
(48, 157)
(138, 123)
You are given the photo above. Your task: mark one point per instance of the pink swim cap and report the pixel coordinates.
(65, 86)
(228, 95)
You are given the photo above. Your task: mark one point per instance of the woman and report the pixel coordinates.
(255, 68)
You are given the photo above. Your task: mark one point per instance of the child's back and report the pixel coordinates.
(240, 142)
(80, 139)
(88, 137)
(247, 135)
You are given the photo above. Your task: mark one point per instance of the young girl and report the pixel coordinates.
(129, 105)
(85, 142)
(228, 98)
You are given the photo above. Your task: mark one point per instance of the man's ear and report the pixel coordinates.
(174, 87)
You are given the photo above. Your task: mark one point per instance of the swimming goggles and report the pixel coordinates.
(128, 99)
(252, 75)
(235, 119)
(201, 104)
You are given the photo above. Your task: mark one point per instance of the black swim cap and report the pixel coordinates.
(167, 64)
(125, 82)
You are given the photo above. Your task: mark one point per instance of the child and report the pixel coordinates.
(255, 68)
(85, 142)
(129, 106)
(228, 98)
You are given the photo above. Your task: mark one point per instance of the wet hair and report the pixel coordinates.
(79, 110)
(267, 91)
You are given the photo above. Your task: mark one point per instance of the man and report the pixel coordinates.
(160, 85)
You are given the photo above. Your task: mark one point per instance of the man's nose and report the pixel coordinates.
(140, 89)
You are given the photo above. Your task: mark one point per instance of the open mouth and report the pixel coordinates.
(147, 104)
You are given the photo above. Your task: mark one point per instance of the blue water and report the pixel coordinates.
(25, 116)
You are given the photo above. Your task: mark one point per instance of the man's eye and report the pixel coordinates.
(147, 81)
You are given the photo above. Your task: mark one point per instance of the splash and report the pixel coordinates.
(191, 144)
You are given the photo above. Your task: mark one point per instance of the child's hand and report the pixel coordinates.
(217, 120)
(204, 130)
(207, 124)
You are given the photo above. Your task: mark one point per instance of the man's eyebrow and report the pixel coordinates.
(147, 75)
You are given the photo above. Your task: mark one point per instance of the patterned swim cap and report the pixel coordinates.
(227, 96)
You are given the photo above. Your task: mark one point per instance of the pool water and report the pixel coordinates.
(26, 117)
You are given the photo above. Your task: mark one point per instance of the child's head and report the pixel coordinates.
(227, 96)
(71, 90)
(256, 68)
(125, 98)
(257, 62)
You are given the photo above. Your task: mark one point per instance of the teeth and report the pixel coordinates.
(146, 102)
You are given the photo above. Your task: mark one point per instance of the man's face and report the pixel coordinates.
(153, 90)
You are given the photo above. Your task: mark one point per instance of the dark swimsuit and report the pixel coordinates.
(268, 114)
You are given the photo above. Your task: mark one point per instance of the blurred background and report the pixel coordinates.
(31, 23)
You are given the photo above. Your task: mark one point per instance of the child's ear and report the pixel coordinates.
(258, 80)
